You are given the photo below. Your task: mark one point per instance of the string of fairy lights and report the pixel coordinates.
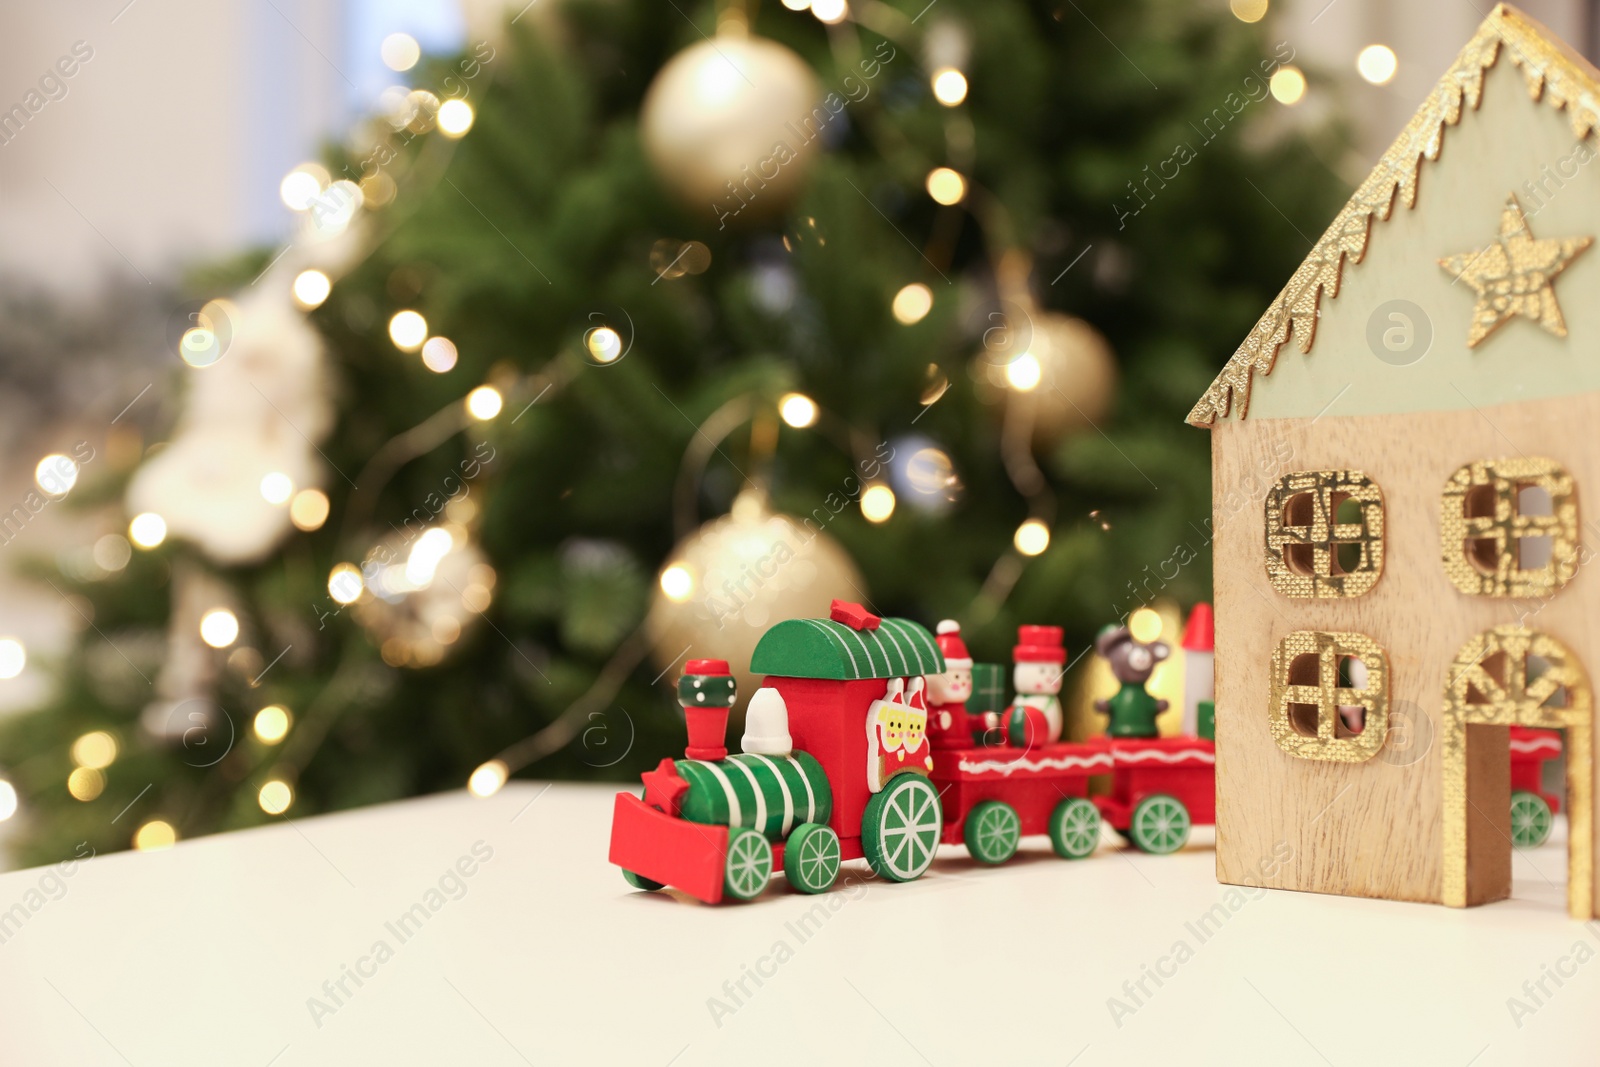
(329, 205)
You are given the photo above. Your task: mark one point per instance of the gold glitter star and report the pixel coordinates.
(1514, 275)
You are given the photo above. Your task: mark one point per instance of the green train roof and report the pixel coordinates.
(822, 648)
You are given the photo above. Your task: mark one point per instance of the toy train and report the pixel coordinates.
(1532, 809)
(841, 761)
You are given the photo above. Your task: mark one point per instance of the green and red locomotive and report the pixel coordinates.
(835, 766)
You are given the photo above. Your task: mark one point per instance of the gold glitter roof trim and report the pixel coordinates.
(1553, 72)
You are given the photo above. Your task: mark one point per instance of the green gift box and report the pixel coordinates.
(988, 689)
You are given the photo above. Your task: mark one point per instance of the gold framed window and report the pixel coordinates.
(1510, 527)
(1330, 696)
(1324, 534)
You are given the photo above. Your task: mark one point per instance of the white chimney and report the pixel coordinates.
(766, 724)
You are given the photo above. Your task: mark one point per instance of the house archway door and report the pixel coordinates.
(1514, 676)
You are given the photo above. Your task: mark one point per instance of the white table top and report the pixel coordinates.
(208, 954)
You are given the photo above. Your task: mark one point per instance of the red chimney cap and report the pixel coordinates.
(706, 666)
(1199, 632)
(853, 615)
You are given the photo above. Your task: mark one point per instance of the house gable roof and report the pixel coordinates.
(1552, 73)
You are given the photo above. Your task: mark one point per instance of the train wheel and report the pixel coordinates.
(639, 881)
(1075, 828)
(992, 831)
(1530, 819)
(811, 858)
(901, 827)
(1160, 825)
(749, 864)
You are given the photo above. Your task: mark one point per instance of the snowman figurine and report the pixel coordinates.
(948, 726)
(1034, 717)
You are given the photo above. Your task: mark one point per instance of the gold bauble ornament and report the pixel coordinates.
(728, 127)
(730, 580)
(1074, 385)
(421, 592)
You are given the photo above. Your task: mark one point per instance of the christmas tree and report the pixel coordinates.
(932, 284)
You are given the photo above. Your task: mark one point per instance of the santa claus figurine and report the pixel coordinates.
(1034, 717)
(948, 725)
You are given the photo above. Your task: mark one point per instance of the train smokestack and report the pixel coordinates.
(707, 692)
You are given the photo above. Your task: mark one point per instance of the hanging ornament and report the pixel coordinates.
(255, 410)
(731, 127)
(1062, 379)
(421, 591)
(727, 582)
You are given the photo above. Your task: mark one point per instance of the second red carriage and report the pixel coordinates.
(995, 796)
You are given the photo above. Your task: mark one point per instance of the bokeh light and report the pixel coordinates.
(798, 410)
(400, 51)
(455, 118)
(271, 724)
(1032, 537)
(946, 186)
(219, 627)
(677, 584)
(345, 584)
(877, 503)
(154, 836)
(603, 344)
(309, 509)
(112, 552)
(8, 800)
(1248, 10)
(484, 402)
(95, 750)
(1024, 373)
(439, 354)
(85, 783)
(303, 185)
(408, 329)
(1377, 64)
(912, 303)
(830, 11)
(311, 288)
(276, 488)
(949, 86)
(13, 657)
(488, 778)
(147, 530)
(1288, 85)
(275, 797)
(56, 474)
(1145, 625)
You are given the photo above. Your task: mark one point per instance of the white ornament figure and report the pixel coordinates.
(256, 411)
(1035, 716)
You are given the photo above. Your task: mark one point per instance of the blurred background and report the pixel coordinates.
(397, 390)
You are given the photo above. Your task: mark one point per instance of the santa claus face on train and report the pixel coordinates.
(952, 687)
(1037, 678)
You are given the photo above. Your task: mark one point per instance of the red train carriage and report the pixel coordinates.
(835, 767)
(1160, 788)
(994, 796)
(1532, 809)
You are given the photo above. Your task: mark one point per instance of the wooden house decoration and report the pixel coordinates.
(1400, 526)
